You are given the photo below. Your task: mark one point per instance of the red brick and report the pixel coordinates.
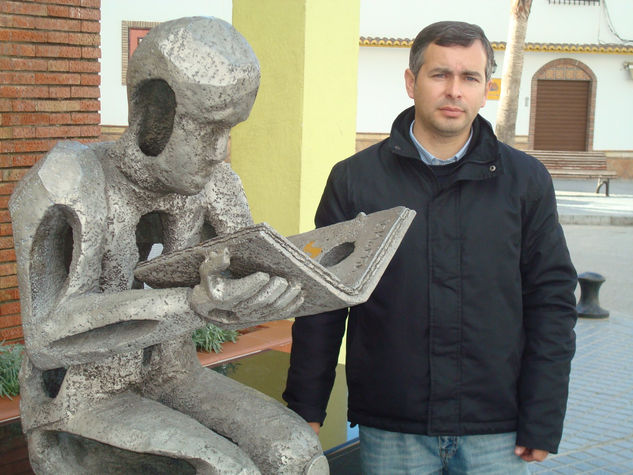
(23, 91)
(85, 118)
(23, 36)
(57, 106)
(7, 268)
(16, 78)
(14, 333)
(90, 52)
(59, 37)
(84, 66)
(86, 39)
(90, 80)
(4, 218)
(6, 188)
(6, 105)
(90, 105)
(57, 65)
(7, 320)
(61, 118)
(58, 131)
(58, 11)
(60, 92)
(84, 91)
(8, 281)
(9, 294)
(85, 13)
(6, 242)
(57, 24)
(6, 230)
(12, 174)
(74, 3)
(23, 132)
(25, 160)
(57, 78)
(12, 49)
(22, 8)
(56, 51)
(91, 3)
(21, 64)
(27, 118)
(7, 255)
(9, 308)
(90, 26)
(6, 161)
(33, 146)
(23, 105)
(17, 21)
(91, 131)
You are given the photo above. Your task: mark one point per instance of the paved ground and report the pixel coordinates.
(598, 434)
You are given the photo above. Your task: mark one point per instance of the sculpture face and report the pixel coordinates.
(186, 163)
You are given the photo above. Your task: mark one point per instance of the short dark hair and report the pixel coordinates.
(450, 33)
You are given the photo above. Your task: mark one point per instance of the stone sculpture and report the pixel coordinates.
(111, 383)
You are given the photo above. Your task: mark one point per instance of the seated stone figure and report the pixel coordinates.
(111, 382)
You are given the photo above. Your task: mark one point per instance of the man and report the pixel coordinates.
(460, 360)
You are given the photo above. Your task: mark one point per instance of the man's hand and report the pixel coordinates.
(316, 427)
(530, 455)
(257, 297)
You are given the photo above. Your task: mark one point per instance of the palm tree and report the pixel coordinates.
(512, 69)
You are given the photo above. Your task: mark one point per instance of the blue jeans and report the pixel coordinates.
(393, 453)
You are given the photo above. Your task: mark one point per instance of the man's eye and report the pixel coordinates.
(472, 79)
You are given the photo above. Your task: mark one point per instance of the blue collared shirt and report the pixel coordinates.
(429, 159)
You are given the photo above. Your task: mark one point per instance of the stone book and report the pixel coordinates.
(337, 266)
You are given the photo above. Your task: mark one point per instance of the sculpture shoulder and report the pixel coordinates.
(70, 175)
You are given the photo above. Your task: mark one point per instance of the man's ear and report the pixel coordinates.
(409, 82)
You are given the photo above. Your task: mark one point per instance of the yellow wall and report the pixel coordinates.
(304, 118)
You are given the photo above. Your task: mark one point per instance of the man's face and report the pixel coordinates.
(449, 90)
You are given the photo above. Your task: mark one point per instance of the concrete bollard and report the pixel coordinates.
(589, 304)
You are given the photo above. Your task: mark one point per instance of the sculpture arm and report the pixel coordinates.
(89, 327)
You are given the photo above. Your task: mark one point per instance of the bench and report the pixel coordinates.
(573, 164)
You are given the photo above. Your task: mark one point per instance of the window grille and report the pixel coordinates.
(574, 2)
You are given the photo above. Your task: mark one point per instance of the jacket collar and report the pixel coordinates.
(481, 161)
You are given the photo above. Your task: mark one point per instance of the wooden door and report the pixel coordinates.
(562, 109)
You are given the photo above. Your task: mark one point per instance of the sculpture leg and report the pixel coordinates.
(130, 434)
(276, 439)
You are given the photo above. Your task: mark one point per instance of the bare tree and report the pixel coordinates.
(512, 70)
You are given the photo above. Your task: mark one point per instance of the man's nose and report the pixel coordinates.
(454, 87)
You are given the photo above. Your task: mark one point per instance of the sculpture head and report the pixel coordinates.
(189, 81)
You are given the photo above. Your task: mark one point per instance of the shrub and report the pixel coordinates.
(210, 337)
(10, 360)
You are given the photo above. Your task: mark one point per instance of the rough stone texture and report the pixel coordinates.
(111, 383)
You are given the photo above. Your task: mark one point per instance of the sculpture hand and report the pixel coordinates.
(258, 297)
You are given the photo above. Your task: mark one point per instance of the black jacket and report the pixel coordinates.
(470, 330)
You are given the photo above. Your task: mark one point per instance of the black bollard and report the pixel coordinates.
(589, 305)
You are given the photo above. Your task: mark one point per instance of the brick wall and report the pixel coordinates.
(49, 91)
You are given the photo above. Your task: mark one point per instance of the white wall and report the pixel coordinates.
(113, 12)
